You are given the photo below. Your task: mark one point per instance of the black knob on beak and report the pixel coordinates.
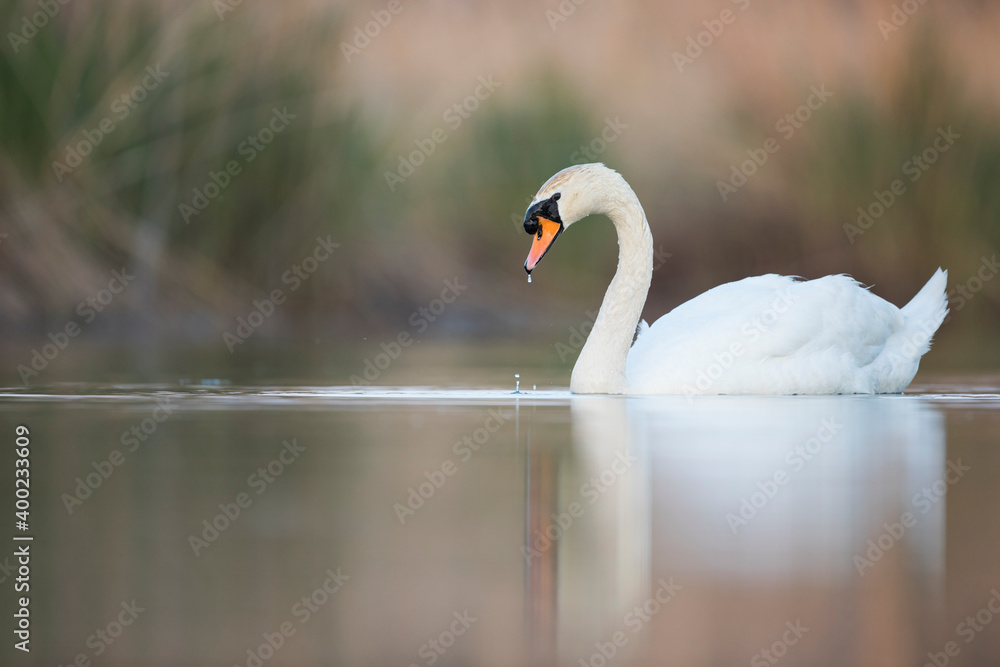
(531, 218)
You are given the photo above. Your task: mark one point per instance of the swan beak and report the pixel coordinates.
(548, 232)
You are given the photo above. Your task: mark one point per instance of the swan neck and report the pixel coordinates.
(601, 365)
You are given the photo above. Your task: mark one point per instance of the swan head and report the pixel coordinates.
(570, 195)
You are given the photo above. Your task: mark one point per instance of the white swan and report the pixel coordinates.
(765, 335)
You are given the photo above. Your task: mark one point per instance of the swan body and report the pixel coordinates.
(763, 335)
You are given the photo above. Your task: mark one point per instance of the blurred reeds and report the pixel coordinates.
(456, 216)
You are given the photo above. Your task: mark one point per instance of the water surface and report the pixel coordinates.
(402, 525)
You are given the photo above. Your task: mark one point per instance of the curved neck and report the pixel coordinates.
(600, 369)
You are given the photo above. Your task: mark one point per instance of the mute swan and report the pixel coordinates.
(764, 335)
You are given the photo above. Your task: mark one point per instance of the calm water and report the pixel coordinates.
(222, 525)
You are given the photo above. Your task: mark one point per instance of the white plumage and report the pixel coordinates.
(764, 335)
(778, 335)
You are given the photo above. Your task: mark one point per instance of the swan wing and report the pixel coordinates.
(771, 335)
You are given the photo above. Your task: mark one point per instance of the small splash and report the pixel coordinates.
(517, 380)
(529, 277)
(534, 387)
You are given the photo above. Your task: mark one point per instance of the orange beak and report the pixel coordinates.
(548, 232)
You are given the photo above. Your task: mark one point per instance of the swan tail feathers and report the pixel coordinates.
(926, 311)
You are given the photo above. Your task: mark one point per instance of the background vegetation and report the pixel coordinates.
(231, 65)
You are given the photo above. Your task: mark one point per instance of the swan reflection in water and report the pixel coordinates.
(701, 532)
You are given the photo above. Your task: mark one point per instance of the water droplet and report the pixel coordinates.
(529, 277)
(534, 387)
(517, 383)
